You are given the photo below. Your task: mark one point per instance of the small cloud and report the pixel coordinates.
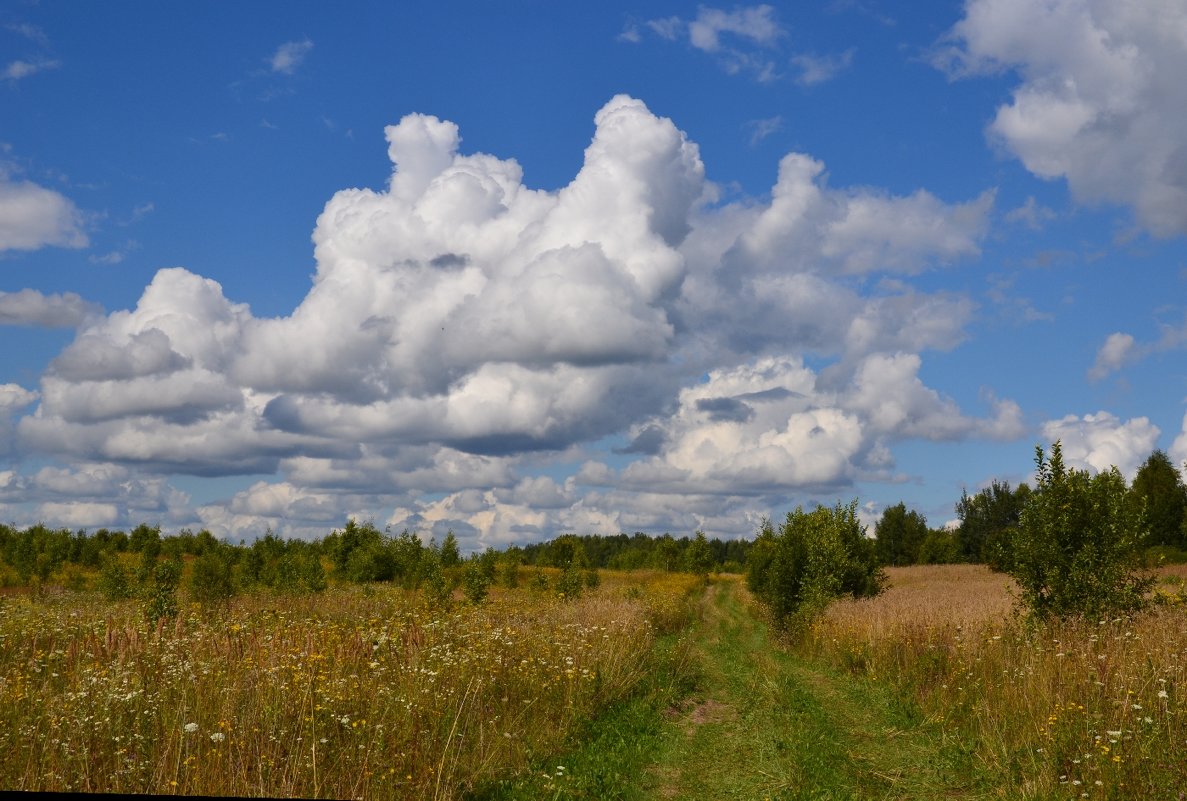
(264, 123)
(818, 69)
(289, 56)
(23, 69)
(668, 28)
(761, 129)
(116, 256)
(29, 307)
(138, 214)
(32, 217)
(756, 24)
(1031, 214)
(630, 33)
(30, 32)
(1113, 355)
(737, 38)
(220, 137)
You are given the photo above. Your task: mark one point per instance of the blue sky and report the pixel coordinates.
(536, 268)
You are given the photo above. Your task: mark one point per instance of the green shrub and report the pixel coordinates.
(210, 580)
(160, 590)
(114, 581)
(476, 581)
(1076, 552)
(570, 582)
(812, 559)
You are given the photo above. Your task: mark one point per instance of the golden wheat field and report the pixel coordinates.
(1088, 709)
(354, 693)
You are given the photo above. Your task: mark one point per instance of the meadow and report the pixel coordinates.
(374, 691)
(1073, 709)
(358, 692)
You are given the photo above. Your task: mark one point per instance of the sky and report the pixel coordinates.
(521, 269)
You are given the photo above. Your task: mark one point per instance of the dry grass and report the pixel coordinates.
(351, 694)
(1073, 709)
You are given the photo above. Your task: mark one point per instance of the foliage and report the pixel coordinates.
(159, 591)
(114, 581)
(436, 589)
(899, 535)
(636, 551)
(1159, 487)
(810, 560)
(698, 558)
(988, 521)
(477, 577)
(1076, 551)
(939, 547)
(211, 577)
(450, 556)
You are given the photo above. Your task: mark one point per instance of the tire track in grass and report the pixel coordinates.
(757, 723)
(764, 723)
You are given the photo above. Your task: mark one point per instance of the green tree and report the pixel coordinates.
(210, 579)
(988, 521)
(1076, 551)
(939, 547)
(898, 535)
(477, 579)
(450, 555)
(698, 559)
(114, 581)
(810, 560)
(160, 590)
(1159, 486)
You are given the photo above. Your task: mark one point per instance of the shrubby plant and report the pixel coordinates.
(211, 580)
(159, 590)
(114, 581)
(1076, 552)
(810, 560)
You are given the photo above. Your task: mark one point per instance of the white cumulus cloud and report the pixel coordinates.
(32, 217)
(461, 327)
(1099, 101)
(1102, 440)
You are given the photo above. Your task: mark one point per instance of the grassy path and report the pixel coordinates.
(764, 724)
(757, 723)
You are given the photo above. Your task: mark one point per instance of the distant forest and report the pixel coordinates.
(987, 525)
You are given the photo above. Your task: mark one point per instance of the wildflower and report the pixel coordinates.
(190, 728)
(1162, 694)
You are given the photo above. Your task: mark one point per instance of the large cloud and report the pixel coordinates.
(1101, 100)
(461, 326)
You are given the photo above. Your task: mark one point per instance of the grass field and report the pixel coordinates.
(357, 692)
(652, 686)
(1067, 710)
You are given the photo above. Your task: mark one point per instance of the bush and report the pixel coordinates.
(114, 581)
(210, 581)
(160, 590)
(1076, 552)
(812, 559)
(476, 581)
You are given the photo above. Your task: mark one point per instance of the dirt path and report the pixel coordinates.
(764, 724)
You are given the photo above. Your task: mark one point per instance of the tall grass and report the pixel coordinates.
(355, 693)
(1069, 709)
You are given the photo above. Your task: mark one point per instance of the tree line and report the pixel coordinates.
(989, 521)
(1074, 543)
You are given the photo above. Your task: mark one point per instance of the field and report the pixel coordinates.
(1086, 709)
(934, 689)
(353, 693)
